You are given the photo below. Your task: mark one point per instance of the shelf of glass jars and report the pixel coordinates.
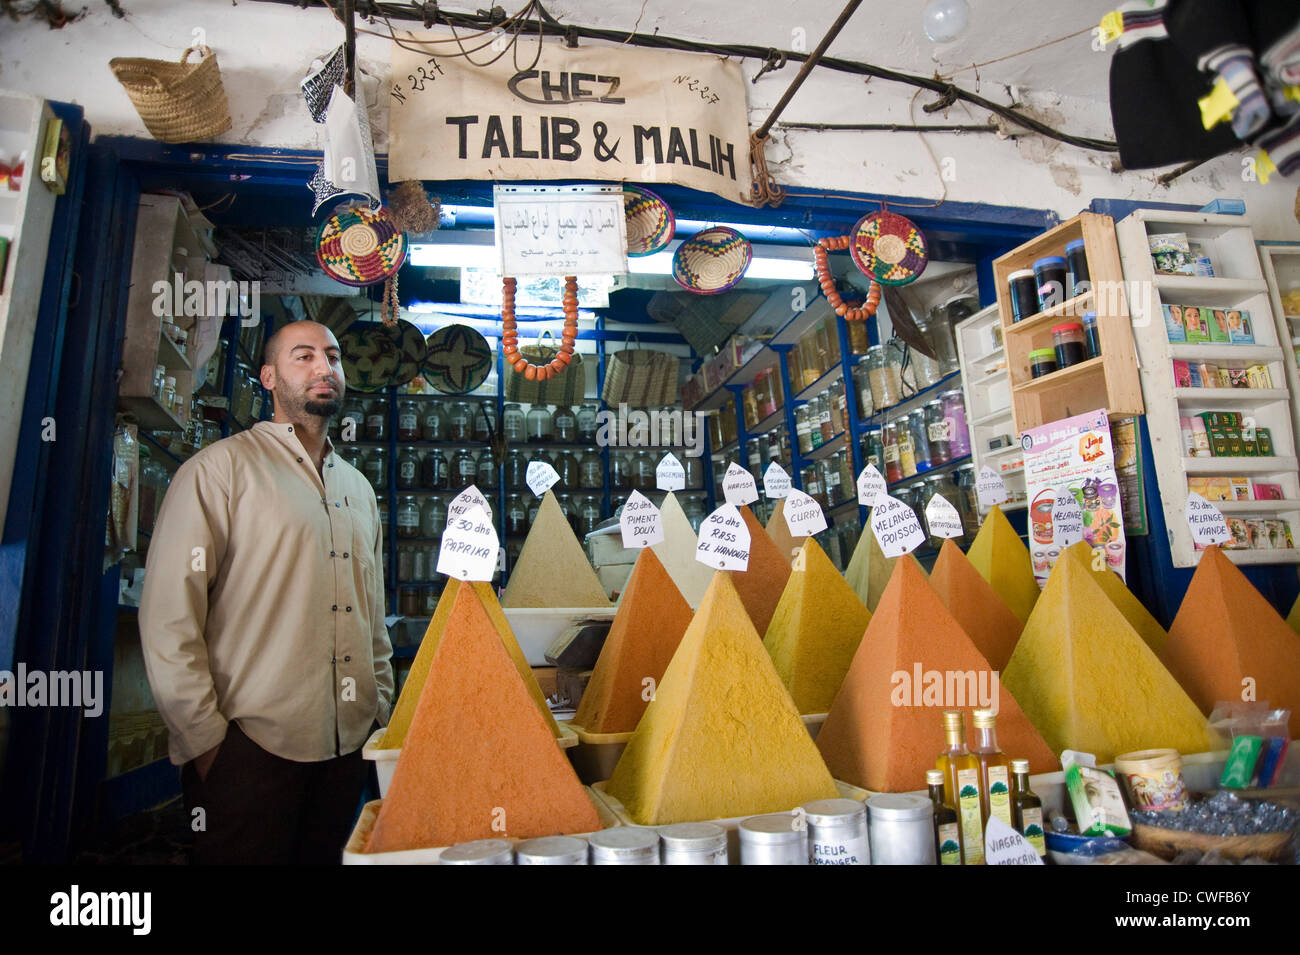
(848, 509)
(932, 471)
(825, 381)
(824, 450)
(946, 383)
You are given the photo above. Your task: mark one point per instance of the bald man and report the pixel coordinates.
(262, 622)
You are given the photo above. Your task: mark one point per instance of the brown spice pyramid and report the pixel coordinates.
(876, 736)
(1090, 683)
(1147, 627)
(869, 569)
(651, 619)
(677, 552)
(721, 738)
(761, 582)
(779, 531)
(815, 631)
(404, 711)
(553, 570)
(478, 753)
(1226, 633)
(992, 627)
(1003, 560)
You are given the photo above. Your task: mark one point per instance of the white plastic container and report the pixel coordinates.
(535, 628)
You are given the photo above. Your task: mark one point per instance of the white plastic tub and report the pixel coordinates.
(535, 628)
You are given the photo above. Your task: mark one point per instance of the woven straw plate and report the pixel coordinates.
(712, 261)
(889, 248)
(459, 360)
(650, 223)
(360, 247)
(372, 356)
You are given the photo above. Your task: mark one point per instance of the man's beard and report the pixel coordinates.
(322, 409)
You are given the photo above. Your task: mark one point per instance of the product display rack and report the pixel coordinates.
(1281, 262)
(1238, 284)
(986, 389)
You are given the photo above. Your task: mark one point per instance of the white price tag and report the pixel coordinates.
(776, 483)
(1004, 846)
(462, 502)
(803, 515)
(897, 529)
(989, 487)
(469, 547)
(541, 477)
(670, 475)
(1206, 521)
(1067, 519)
(872, 486)
(724, 540)
(738, 486)
(942, 517)
(640, 522)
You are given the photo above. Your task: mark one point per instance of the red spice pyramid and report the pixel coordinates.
(1226, 633)
(652, 616)
(761, 583)
(989, 622)
(479, 761)
(876, 735)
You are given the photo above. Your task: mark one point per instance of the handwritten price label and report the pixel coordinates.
(669, 474)
(640, 523)
(942, 517)
(1067, 519)
(1206, 521)
(469, 547)
(803, 515)
(990, 488)
(776, 483)
(541, 477)
(466, 499)
(724, 540)
(897, 529)
(738, 486)
(1004, 846)
(872, 487)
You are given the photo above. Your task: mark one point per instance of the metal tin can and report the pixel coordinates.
(551, 850)
(694, 843)
(778, 838)
(624, 846)
(479, 852)
(902, 829)
(837, 832)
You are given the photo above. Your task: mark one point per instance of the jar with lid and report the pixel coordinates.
(169, 393)
(694, 467)
(862, 390)
(943, 329)
(824, 424)
(481, 416)
(926, 371)
(376, 469)
(211, 433)
(589, 514)
(564, 425)
(936, 432)
(405, 562)
(906, 450)
(464, 469)
(353, 412)
(809, 360)
(408, 516)
(153, 484)
(429, 600)
(381, 502)
(408, 421)
(754, 456)
(591, 470)
(534, 506)
(812, 484)
(433, 471)
(516, 468)
(354, 456)
(859, 341)
(884, 376)
(408, 469)
(847, 482)
(694, 510)
(420, 569)
(516, 515)
(1068, 343)
(750, 399)
(831, 479)
(588, 421)
(460, 427)
(487, 471)
(873, 451)
(803, 428)
(954, 414)
(918, 501)
(538, 423)
(794, 366)
(433, 516)
(408, 602)
(889, 442)
(620, 470)
(643, 470)
(839, 408)
(255, 404)
(824, 333)
(159, 376)
(566, 465)
(433, 425)
(377, 421)
(920, 439)
(514, 424)
(969, 501)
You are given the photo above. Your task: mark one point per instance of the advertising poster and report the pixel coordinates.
(1072, 458)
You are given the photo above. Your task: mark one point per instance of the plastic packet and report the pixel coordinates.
(1095, 796)
(1260, 737)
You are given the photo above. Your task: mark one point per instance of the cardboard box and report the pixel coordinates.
(1218, 442)
(1196, 325)
(1174, 323)
(1217, 320)
(1183, 375)
(1257, 376)
(1221, 419)
(1240, 488)
(1240, 331)
(1171, 254)
(1264, 442)
(1267, 492)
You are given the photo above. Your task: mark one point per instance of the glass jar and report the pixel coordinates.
(258, 400)
(381, 502)
(620, 470)
(694, 510)
(433, 517)
(589, 514)
(1068, 343)
(694, 467)
(487, 471)
(533, 507)
(1042, 361)
(812, 484)
(824, 333)
(516, 515)
(564, 425)
(538, 423)
(917, 504)
(408, 421)
(750, 400)
(591, 470)
(460, 427)
(433, 471)
(566, 465)
(839, 408)
(429, 600)
(873, 450)
(211, 433)
(884, 376)
(513, 423)
(433, 425)
(754, 457)
(809, 359)
(920, 439)
(420, 569)
(464, 469)
(862, 390)
(906, 450)
(968, 505)
(355, 412)
(376, 469)
(830, 477)
(408, 602)
(944, 486)
(408, 516)
(408, 469)
(377, 421)
(405, 562)
(803, 428)
(936, 432)
(889, 442)
(954, 414)
(794, 366)
(481, 415)
(588, 421)
(516, 468)
(824, 424)
(643, 471)
(859, 341)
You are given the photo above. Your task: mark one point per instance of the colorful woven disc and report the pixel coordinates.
(459, 360)
(371, 356)
(712, 261)
(650, 223)
(360, 246)
(889, 248)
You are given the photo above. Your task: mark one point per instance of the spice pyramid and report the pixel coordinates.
(1090, 683)
(885, 729)
(815, 631)
(553, 570)
(779, 531)
(869, 569)
(1293, 618)
(760, 584)
(1003, 560)
(677, 552)
(479, 761)
(992, 627)
(1138, 616)
(721, 738)
(651, 619)
(1226, 633)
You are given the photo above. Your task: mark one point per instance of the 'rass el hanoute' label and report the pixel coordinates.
(968, 810)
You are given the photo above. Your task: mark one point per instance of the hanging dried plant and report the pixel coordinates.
(409, 205)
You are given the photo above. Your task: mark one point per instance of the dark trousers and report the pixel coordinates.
(258, 808)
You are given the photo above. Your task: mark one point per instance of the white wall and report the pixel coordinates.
(265, 49)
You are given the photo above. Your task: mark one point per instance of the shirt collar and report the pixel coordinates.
(285, 433)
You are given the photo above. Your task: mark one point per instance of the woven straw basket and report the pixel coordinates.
(179, 102)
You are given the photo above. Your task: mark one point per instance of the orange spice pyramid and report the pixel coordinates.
(1003, 560)
(652, 616)
(992, 627)
(779, 531)
(869, 569)
(815, 631)
(1090, 683)
(1147, 627)
(885, 728)
(677, 552)
(552, 569)
(1225, 634)
(479, 761)
(721, 738)
(760, 584)
(404, 711)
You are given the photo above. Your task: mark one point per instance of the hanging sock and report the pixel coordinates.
(1279, 151)
(1251, 111)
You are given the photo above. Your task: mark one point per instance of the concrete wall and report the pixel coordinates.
(265, 49)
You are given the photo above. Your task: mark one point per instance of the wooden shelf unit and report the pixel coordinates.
(1109, 381)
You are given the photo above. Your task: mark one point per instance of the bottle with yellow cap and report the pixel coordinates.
(947, 838)
(995, 769)
(962, 787)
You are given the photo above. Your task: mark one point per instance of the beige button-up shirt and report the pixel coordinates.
(264, 601)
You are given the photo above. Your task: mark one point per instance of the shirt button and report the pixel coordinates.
(345, 555)
(331, 465)
(331, 553)
(335, 607)
(337, 504)
(290, 428)
(323, 501)
(349, 609)
(347, 659)
(334, 659)
(300, 460)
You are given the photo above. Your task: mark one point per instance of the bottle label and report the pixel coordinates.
(406, 519)
(1032, 818)
(891, 452)
(968, 809)
(949, 844)
(407, 471)
(408, 422)
(937, 430)
(999, 794)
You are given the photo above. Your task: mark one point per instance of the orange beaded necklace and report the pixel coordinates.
(848, 313)
(510, 333)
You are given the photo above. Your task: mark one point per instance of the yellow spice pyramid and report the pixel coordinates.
(1293, 618)
(779, 531)
(815, 631)
(1003, 560)
(553, 570)
(1138, 616)
(869, 569)
(677, 552)
(400, 722)
(722, 737)
(1088, 682)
